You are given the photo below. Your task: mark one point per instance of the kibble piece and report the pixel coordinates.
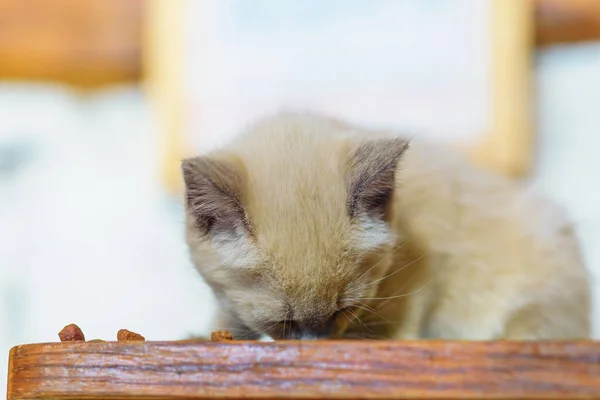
(124, 335)
(219, 336)
(71, 333)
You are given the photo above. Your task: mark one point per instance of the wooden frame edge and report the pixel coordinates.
(509, 147)
(163, 78)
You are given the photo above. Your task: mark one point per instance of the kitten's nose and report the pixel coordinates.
(313, 329)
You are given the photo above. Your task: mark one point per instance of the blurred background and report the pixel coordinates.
(100, 99)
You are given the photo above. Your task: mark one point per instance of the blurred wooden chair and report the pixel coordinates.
(566, 21)
(87, 44)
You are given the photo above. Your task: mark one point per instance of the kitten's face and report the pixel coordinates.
(317, 296)
(303, 260)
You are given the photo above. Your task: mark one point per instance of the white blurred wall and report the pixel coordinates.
(419, 65)
(568, 91)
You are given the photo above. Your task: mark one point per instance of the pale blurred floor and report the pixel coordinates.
(88, 236)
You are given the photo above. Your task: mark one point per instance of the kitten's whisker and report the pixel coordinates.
(251, 331)
(357, 319)
(373, 336)
(285, 323)
(387, 299)
(392, 274)
(365, 306)
(407, 282)
(240, 337)
(360, 307)
(283, 329)
(269, 327)
(401, 295)
(351, 320)
(348, 318)
(379, 323)
(400, 246)
(371, 310)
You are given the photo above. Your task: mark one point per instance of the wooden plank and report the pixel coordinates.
(83, 43)
(306, 370)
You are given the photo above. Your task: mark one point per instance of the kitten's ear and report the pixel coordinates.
(372, 176)
(213, 189)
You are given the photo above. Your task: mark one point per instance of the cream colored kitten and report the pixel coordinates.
(307, 227)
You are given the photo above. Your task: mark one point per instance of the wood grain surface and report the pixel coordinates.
(334, 370)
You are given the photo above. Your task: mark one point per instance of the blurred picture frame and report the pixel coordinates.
(506, 146)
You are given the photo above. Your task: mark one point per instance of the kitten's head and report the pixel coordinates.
(292, 230)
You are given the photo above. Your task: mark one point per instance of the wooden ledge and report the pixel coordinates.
(307, 370)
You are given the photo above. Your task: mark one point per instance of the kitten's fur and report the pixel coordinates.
(306, 226)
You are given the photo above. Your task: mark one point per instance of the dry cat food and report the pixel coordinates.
(71, 333)
(125, 335)
(219, 336)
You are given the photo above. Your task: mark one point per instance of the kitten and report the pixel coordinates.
(308, 227)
